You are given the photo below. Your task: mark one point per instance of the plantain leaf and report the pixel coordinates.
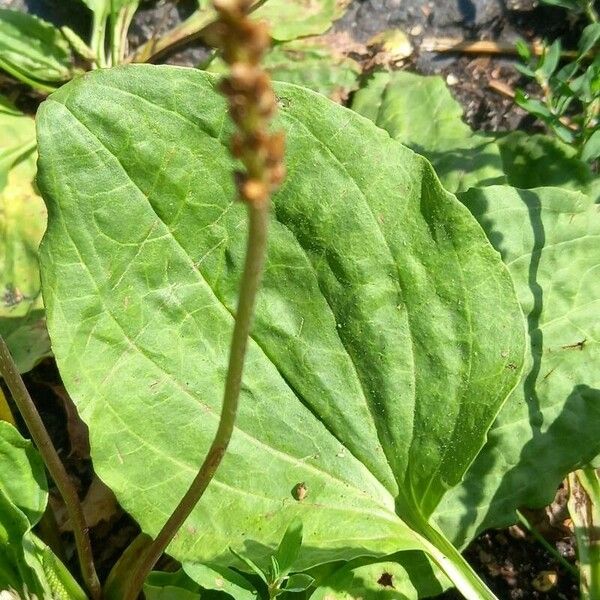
(540, 160)
(386, 339)
(22, 475)
(410, 577)
(222, 579)
(421, 113)
(33, 51)
(22, 223)
(291, 19)
(311, 63)
(549, 426)
(170, 586)
(26, 564)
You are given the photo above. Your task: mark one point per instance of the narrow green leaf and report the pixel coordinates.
(251, 565)
(289, 547)
(589, 38)
(215, 577)
(523, 50)
(568, 4)
(532, 105)
(550, 60)
(591, 150)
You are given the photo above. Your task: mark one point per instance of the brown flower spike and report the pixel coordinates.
(252, 103)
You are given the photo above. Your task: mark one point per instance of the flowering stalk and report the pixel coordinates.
(252, 104)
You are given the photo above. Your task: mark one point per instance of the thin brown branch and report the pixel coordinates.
(443, 44)
(57, 471)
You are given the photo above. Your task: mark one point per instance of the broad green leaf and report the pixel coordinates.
(311, 63)
(291, 19)
(548, 238)
(33, 51)
(26, 562)
(15, 572)
(22, 475)
(171, 586)
(539, 160)
(27, 338)
(386, 339)
(410, 577)
(22, 223)
(421, 113)
(222, 579)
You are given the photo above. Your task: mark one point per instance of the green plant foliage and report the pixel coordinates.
(24, 559)
(33, 51)
(410, 577)
(222, 579)
(22, 475)
(539, 160)
(375, 368)
(22, 223)
(104, 7)
(291, 19)
(569, 98)
(549, 426)
(311, 63)
(171, 586)
(421, 113)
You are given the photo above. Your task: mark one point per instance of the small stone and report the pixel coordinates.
(451, 79)
(545, 581)
(516, 532)
(416, 30)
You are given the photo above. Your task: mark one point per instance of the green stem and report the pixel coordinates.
(120, 27)
(98, 40)
(590, 11)
(588, 536)
(8, 370)
(549, 548)
(251, 277)
(189, 30)
(454, 565)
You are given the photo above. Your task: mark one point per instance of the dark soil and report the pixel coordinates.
(513, 564)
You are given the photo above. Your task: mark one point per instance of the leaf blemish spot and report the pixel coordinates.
(299, 491)
(386, 580)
